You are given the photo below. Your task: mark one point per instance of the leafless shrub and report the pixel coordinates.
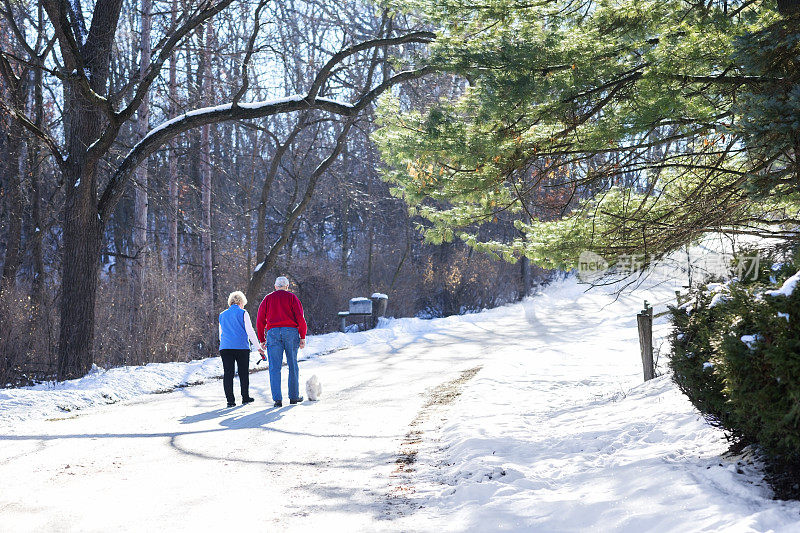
(169, 327)
(28, 336)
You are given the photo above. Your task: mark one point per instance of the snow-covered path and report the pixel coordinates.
(179, 461)
(526, 417)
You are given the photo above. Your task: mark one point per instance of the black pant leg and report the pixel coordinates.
(228, 362)
(243, 365)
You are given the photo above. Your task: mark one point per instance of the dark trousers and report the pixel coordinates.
(242, 360)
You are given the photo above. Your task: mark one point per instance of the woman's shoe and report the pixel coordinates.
(277, 404)
(248, 400)
(296, 400)
(231, 404)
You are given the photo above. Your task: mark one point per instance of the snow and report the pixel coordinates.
(784, 315)
(218, 108)
(226, 106)
(101, 387)
(77, 183)
(528, 417)
(379, 296)
(787, 288)
(751, 340)
(259, 266)
(718, 299)
(720, 295)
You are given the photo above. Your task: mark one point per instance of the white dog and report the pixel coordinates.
(313, 388)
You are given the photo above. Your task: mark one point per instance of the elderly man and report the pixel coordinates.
(281, 323)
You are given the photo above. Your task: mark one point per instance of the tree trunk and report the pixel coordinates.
(345, 235)
(257, 278)
(82, 242)
(205, 235)
(272, 171)
(13, 257)
(525, 275)
(35, 153)
(205, 187)
(141, 199)
(172, 207)
(82, 236)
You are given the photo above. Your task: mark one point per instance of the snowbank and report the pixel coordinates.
(102, 387)
(557, 432)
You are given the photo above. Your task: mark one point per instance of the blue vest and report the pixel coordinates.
(234, 336)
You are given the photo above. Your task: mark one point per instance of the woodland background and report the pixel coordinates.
(155, 155)
(206, 208)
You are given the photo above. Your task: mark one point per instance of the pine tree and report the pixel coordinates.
(652, 122)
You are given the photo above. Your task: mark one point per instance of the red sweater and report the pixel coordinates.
(280, 309)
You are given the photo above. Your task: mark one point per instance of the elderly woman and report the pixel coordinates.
(235, 336)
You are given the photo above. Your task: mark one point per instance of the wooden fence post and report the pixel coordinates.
(645, 322)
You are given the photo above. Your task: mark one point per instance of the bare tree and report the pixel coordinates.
(205, 181)
(93, 119)
(141, 182)
(172, 205)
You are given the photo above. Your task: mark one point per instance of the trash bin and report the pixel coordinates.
(379, 302)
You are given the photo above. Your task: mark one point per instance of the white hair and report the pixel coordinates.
(237, 297)
(281, 282)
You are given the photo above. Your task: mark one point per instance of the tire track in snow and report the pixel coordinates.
(428, 418)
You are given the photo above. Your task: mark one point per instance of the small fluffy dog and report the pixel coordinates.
(313, 388)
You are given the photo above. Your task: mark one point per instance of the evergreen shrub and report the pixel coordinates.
(736, 355)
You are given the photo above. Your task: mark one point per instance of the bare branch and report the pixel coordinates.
(31, 127)
(212, 115)
(294, 213)
(324, 73)
(249, 53)
(108, 136)
(164, 54)
(398, 78)
(9, 16)
(70, 50)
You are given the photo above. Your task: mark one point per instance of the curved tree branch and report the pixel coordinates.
(249, 54)
(109, 135)
(163, 133)
(325, 72)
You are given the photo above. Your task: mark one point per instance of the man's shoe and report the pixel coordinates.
(231, 404)
(248, 400)
(296, 400)
(277, 404)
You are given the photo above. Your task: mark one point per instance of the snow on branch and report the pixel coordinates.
(205, 11)
(162, 133)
